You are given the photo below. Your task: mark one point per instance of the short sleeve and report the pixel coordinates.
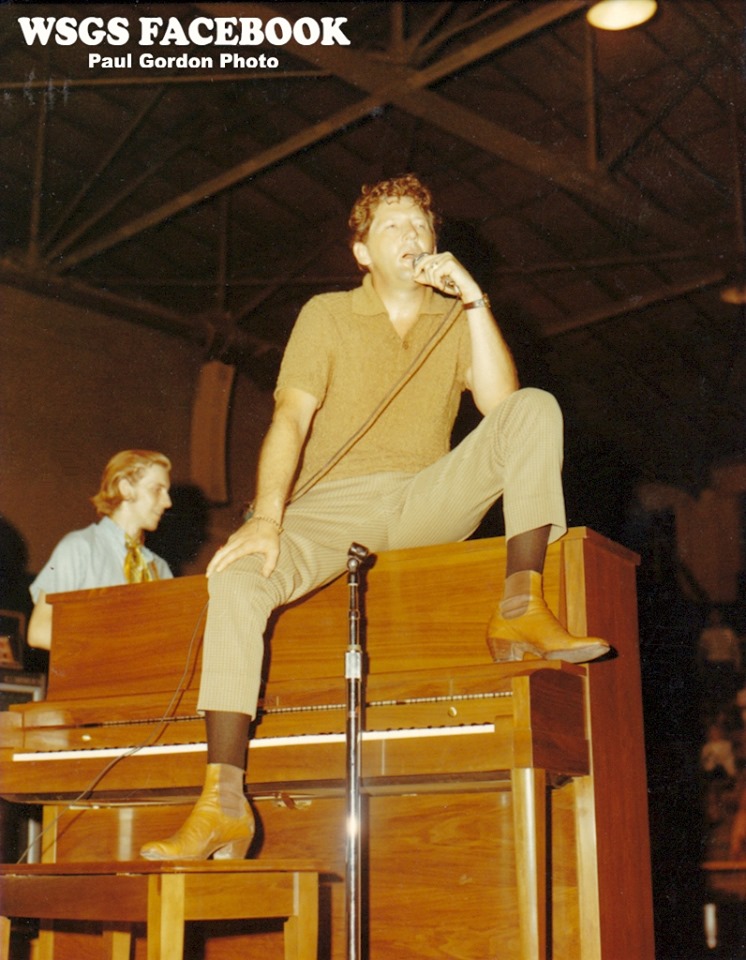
(306, 363)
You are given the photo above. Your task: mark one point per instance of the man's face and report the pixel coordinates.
(147, 498)
(399, 231)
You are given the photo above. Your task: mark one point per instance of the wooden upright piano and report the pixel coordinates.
(505, 805)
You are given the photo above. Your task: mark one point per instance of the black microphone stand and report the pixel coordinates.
(354, 677)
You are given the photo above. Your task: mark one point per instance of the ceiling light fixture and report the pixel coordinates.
(735, 290)
(620, 14)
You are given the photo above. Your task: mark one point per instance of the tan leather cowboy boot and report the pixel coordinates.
(220, 825)
(523, 625)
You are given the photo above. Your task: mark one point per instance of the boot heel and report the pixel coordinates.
(235, 850)
(504, 651)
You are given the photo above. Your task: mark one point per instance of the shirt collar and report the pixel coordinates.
(366, 302)
(117, 534)
(113, 530)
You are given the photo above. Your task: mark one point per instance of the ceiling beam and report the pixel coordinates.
(410, 95)
(656, 123)
(113, 200)
(74, 291)
(200, 331)
(204, 191)
(385, 89)
(632, 304)
(38, 184)
(395, 83)
(108, 158)
(154, 80)
(447, 34)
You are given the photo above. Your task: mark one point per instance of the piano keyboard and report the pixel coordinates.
(258, 743)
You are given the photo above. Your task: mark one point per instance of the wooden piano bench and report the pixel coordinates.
(163, 895)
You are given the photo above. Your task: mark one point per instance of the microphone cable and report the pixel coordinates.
(161, 724)
(435, 338)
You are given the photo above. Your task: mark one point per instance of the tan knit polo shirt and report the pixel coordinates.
(345, 352)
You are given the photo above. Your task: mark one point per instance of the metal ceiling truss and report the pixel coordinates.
(402, 77)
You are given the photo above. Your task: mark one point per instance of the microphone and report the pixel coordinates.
(449, 284)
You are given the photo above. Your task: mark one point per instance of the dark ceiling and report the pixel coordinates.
(592, 180)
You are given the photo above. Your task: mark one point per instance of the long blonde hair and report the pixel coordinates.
(129, 465)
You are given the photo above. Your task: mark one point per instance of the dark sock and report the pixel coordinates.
(227, 737)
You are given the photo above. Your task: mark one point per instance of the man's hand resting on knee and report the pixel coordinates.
(256, 536)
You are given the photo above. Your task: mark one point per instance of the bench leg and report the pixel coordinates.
(166, 896)
(301, 932)
(586, 839)
(44, 949)
(117, 944)
(4, 938)
(530, 827)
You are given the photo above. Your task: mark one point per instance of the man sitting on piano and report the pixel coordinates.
(358, 451)
(133, 495)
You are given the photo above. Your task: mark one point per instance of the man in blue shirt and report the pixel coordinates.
(133, 496)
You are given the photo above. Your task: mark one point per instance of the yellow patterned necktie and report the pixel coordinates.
(136, 568)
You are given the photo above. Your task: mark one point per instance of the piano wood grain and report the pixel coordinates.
(441, 849)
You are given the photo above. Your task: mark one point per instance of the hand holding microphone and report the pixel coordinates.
(441, 281)
(444, 272)
(434, 270)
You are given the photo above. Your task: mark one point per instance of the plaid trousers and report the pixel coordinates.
(515, 452)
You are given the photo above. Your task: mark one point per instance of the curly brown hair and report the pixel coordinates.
(407, 185)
